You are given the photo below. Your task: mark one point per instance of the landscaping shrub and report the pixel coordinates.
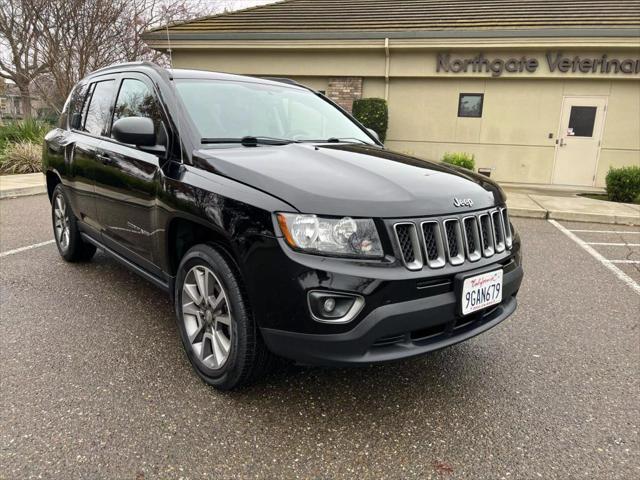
(374, 114)
(23, 131)
(623, 184)
(460, 159)
(21, 157)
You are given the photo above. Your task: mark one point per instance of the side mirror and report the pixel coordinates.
(373, 133)
(138, 131)
(76, 121)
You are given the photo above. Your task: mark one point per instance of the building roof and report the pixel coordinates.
(397, 18)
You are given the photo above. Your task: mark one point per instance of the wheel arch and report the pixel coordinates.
(53, 179)
(183, 233)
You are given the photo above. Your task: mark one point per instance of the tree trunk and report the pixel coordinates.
(25, 101)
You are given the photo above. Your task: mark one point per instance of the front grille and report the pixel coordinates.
(486, 233)
(430, 231)
(454, 240)
(407, 237)
(404, 238)
(472, 236)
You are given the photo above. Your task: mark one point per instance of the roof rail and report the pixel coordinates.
(129, 64)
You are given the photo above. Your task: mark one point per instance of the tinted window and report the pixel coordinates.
(136, 99)
(581, 121)
(74, 104)
(470, 105)
(99, 111)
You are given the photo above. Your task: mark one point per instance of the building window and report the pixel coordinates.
(581, 121)
(470, 105)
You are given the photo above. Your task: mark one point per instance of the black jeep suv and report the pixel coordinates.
(277, 223)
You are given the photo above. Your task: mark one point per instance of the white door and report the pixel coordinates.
(578, 147)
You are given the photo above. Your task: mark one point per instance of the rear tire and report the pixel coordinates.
(218, 331)
(65, 229)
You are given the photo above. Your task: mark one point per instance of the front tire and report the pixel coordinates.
(218, 332)
(65, 229)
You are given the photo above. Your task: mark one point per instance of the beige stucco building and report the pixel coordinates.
(540, 92)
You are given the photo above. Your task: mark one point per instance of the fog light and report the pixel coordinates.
(329, 305)
(334, 307)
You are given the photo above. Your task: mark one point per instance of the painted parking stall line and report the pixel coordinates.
(610, 264)
(24, 249)
(625, 232)
(605, 244)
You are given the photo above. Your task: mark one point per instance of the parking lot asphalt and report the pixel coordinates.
(94, 382)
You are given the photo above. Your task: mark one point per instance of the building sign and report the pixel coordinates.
(555, 62)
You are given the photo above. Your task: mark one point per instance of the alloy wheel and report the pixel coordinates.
(207, 317)
(61, 222)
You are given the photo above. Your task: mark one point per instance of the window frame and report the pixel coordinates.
(469, 94)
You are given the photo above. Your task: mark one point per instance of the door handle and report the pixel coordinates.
(562, 144)
(104, 158)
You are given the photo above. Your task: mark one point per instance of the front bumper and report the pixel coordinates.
(396, 330)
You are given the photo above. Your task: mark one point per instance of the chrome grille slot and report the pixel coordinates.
(409, 243)
(486, 235)
(454, 241)
(498, 229)
(432, 241)
(472, 238)
(508, 234)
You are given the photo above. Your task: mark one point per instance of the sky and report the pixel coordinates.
(238, 4)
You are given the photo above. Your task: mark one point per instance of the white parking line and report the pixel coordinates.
(626, 232)
(595, 254)
(630, 262)
(28, 247)
(614, 244)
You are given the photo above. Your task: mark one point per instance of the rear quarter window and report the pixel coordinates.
(74, 104)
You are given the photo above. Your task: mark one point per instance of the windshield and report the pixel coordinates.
(224, 109)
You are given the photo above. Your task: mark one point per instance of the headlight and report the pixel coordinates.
(335, 236)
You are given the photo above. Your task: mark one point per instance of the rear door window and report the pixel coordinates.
(98, 114)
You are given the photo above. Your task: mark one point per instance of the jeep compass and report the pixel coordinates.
(277, 223)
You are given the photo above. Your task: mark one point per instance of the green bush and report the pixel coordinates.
(21, 157)
(32, 131)
(460, 159)
(374, 114)
(623, 184)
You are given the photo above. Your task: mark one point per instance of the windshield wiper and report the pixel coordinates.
(249, 141)
(346, 139)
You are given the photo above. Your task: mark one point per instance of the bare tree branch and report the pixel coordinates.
(49, 45)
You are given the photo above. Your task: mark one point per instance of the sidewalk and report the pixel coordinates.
(561, 206)
(20, 185)
(523, 201)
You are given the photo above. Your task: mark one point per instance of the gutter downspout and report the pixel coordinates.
(387, 66)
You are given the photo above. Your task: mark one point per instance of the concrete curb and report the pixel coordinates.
(576, 216)
(527, 212)
(23, 191)
(594, 217)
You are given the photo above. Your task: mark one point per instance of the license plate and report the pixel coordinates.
(481, 291)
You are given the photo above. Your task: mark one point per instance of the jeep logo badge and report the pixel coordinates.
(462, 202)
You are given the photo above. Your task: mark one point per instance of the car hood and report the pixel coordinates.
(352, 180)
